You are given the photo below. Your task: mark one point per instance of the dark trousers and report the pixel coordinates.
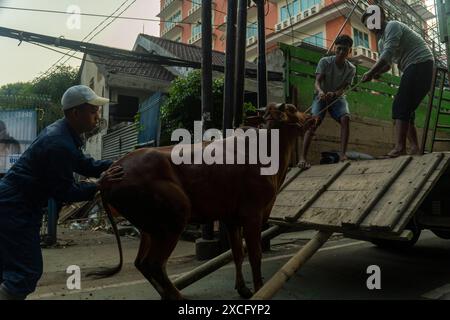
(20, 253)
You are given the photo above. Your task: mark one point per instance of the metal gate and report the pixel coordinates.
(119, 142)
(149, 124)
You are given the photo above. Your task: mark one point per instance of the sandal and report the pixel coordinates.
(303, 164)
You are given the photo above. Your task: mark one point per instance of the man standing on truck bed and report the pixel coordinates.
(400, 44)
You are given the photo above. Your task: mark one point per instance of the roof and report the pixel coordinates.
(190, 52)
(376, 197)
(140, 69)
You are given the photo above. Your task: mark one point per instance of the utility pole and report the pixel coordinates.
(262, 71)
(240, 62)
(207, 247)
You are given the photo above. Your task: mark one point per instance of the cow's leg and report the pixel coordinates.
(235, 237)
(252, 235)
(152, 259)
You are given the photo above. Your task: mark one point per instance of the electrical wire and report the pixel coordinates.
(92, 31)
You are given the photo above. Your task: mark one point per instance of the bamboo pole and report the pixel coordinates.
(292, 266)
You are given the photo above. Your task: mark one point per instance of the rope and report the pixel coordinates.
(334, 101)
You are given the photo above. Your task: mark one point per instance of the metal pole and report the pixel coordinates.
(291, 267)
(343, 26)
(230, 75)
(262, 72)
(207, 229)
(240, 62)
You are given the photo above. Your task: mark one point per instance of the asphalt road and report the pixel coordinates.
(337, 271)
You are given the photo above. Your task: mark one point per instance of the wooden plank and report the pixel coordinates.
(330, 179)
(301, 53)
(290, 175)
(302, 68)
(405, 235)
(280, 212)
(392, 211)
(370, 167)
(415, 204)
(366, 205)
(379, 87)
(318, 171)
(345, 182)
(386, 77)
(305, 184)
(293, 198)
(339, 199)
(324, 218)
(391, 196)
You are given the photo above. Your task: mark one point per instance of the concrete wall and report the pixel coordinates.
(90, 74)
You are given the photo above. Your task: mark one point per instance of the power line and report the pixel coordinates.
(142, 19)
(97, 15)
(340, 12)
(93, 30)
(114, 19)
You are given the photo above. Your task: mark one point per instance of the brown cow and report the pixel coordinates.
(160, 198)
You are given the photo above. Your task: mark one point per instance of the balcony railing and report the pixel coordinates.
(168, 6)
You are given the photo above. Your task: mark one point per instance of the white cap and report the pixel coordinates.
(78, 95)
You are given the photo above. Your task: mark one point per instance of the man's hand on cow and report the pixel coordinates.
(113, 175)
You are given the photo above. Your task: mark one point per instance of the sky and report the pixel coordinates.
(25, 62)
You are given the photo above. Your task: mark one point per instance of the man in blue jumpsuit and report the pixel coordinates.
(44, 171)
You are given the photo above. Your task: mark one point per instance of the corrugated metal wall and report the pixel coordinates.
(119, 142)
(150, 119)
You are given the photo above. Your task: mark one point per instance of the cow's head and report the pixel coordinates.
(284, 114)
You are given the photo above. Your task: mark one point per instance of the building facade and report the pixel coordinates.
(315, 22)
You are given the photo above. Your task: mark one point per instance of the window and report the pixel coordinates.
(252, 30)
(196, 29)
(361, 39)
(315, 40)
(170, 22)
(306, 4)
(294, 9)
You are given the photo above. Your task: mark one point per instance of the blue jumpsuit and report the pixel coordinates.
(44, 171)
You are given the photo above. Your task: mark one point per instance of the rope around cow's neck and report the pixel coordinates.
(334, 101)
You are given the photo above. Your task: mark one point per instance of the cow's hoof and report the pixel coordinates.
(245, 292)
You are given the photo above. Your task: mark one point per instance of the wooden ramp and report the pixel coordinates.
(376, 197)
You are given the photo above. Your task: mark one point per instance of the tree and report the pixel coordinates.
(43, 93)
(183, 105)
(54, 85)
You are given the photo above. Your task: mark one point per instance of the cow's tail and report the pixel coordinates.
(105, 272)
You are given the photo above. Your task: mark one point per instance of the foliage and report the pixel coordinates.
(42, 93)
(183, 105)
